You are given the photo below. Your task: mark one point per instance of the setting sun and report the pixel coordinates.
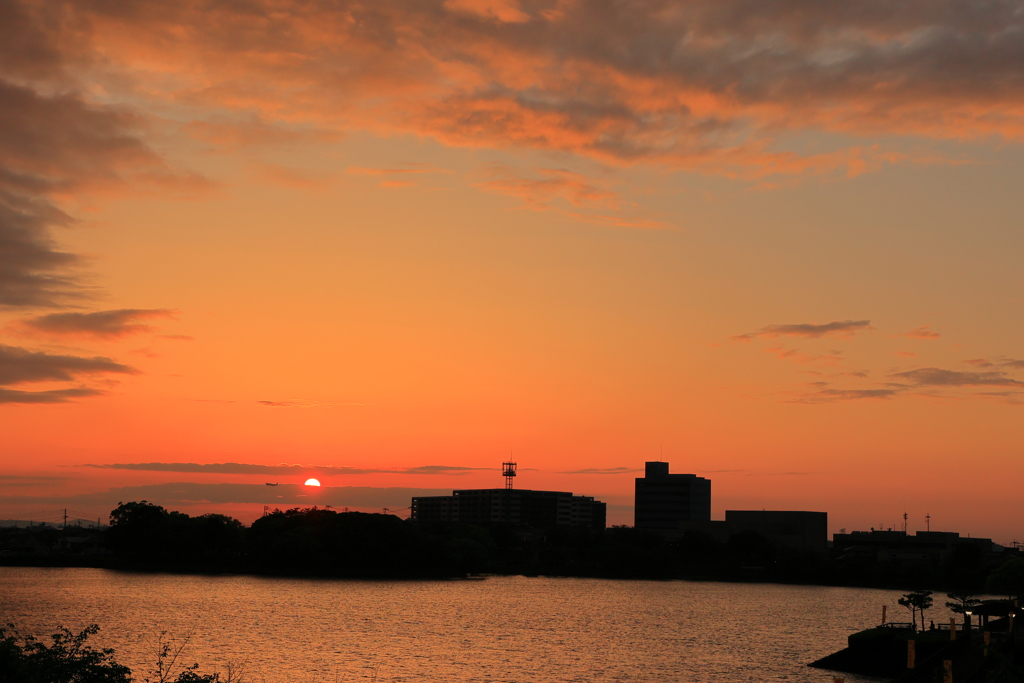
(312, 482)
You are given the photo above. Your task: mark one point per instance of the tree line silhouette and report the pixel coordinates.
(323, 542)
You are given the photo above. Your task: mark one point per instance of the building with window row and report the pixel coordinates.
(534, 509)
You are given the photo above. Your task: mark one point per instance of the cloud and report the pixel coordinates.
(508, 11)
(21, 366)
(980, 362)
(98, 325)
(605, 470)
(389, 173)
(922, 333)
(31, 478)
(567, 192)
(52, 146)
(188, 493)
(9, 481)
(48, 396)
(796, 355)
(282, 469)
(836, 395)
(719, 471)
(18, 365)
(779, 474)
(937, 377)
(717, 87)
(415, 169)
(843, 329)
(932, 383)
(551, 185)
(302, 403)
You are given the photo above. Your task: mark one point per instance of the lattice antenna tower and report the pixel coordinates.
(508, 470)
(928, 521)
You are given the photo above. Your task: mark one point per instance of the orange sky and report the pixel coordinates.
(391, 243)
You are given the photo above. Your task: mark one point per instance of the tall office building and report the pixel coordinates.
(663, 500)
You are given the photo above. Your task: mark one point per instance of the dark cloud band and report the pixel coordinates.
(187, 493)
(244, 468)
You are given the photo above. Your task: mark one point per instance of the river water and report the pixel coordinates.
(502, 629)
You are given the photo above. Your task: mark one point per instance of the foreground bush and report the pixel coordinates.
(69, 659)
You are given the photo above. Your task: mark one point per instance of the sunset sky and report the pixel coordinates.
(388, 244)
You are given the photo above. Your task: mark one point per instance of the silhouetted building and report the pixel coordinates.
(536, 509)
(898, 547)
(794, 529)
(663, 500)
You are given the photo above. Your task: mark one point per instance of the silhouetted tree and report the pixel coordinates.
(316, 541)
(1007, 579)
(918, 601)
(138, 528)
(962, 603)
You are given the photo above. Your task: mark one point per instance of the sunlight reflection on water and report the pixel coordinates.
(504, 629)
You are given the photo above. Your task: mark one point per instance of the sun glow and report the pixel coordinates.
(312, 482)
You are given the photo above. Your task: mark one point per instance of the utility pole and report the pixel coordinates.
(65, 519)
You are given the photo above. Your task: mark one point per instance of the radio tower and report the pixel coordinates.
(509, 472)
(928, 521)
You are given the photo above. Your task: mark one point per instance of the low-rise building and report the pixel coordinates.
(899, 547)
(535, 509)
(795, 529)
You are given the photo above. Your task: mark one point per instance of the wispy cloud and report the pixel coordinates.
(935, 383)
(53, 145)
(46, 396)
(411, 169)
(837, 395)
(546, 185)
(18, 365)
(779, 474)
(21, 366)
(282, 469)
(832, 358)
(304, 403)
(937, 377)
(842, 329)
(603, 470)
(97, 325)
(190, 493)
(556, 76)
(569, 193)
(922, 332)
